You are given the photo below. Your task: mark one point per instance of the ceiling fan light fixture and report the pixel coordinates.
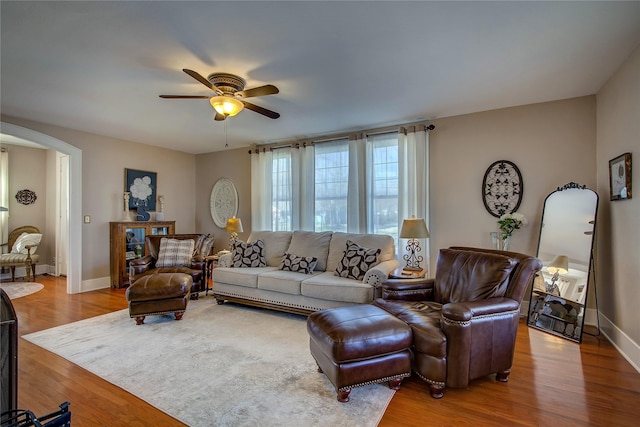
(226, 106)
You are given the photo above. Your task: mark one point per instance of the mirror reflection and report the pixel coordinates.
(559, 293)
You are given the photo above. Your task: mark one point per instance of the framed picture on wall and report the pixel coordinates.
(620, 177)
(143, 187)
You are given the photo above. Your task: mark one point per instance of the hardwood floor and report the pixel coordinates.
(553, 381)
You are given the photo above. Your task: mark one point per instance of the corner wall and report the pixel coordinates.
(618, 233)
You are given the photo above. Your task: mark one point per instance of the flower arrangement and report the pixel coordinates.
(510, 222)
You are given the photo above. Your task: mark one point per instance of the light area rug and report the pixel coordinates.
(221, 365)
(20, 289)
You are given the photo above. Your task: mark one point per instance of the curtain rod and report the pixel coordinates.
(337, 136)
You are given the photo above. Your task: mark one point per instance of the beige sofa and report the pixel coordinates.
(298, 292)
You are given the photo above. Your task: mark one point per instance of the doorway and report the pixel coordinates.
(71, 230)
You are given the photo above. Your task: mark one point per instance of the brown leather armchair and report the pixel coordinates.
(147, 265)
(464, 322)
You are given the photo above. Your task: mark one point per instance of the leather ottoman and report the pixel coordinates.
(360, 345)
(157, 294)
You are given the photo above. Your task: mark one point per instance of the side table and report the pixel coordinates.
(408, 285)
(210, 262)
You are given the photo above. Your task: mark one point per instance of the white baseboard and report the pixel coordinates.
(629, 349)
(95, 284)
(21, 272)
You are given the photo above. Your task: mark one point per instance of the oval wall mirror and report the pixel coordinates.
(565, 247)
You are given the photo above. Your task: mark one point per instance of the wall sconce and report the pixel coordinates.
(413, 229)
(559, 265)
(234, 225)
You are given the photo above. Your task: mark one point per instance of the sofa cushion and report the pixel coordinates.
(175, 253)
(249, 254)
(471, 276)
(328, 286)
(275, 244)
(311, 244)
(338, 241)
(247, 277)
(299, 264)
(356, 261)
(287, 282)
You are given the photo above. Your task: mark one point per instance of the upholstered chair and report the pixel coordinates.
(21, 247)
(155, 262)
(465, 320)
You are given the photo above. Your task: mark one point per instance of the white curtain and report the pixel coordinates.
(261, 187)
(4, 196)
(357, 188)
(303, 183)
(413, 185)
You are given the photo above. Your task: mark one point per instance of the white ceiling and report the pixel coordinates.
(340, 66)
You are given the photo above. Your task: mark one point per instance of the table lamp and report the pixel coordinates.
(234, 225)
(413, 229)
(559, 265)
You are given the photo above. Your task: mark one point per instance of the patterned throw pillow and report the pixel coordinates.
(175, 252)
(301, 264)
(356, 261)
(248, 254)
(206, 245)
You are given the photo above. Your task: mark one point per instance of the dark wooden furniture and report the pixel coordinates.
(8, 354)
(127, 243)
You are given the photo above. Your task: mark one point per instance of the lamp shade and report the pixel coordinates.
(414, 228)
(225, 105)
(234, 225)
(559, 264)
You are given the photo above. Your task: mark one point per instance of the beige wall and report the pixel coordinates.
(236, 166)
(618, 234)
(103, 163)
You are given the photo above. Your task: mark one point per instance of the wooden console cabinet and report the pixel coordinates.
(127, 242)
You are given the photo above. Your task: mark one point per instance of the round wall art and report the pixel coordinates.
(26, 197)
(224, 201)
(502, 188)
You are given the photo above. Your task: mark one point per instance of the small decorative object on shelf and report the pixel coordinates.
(127, 216)
(507, 224)
(160, 213)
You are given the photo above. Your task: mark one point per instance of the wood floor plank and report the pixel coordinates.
(553, 381)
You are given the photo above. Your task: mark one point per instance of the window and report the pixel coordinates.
(281, 190)
(331, 184)
(384, 184)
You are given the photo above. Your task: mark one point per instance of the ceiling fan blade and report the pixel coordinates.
(258, 91)
(202, 80)
(219, 117)
(184, 97)
(260, 110)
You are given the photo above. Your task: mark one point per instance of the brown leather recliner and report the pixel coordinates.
(147, 264)
(464, 322)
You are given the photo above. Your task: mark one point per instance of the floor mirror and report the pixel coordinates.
(565, 247)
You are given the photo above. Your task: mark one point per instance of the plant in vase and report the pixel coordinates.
(508, 223)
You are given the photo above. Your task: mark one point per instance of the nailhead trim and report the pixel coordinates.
(440, 383)
(156, 313)
(484, 316)
(381, 380)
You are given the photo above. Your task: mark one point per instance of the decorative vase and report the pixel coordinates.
(499, 241)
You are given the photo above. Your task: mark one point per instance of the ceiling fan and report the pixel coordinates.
(230, 93)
